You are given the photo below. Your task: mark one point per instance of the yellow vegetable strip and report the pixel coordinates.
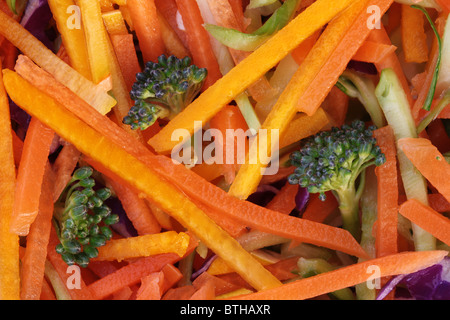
(285, 108)
(114, 22)
(96, 39)
(9, 242)
(72, 34)
(144, 246)
(137, 174)
(248, 71)
(46, 59)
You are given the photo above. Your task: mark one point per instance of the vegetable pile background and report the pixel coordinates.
(92, 206)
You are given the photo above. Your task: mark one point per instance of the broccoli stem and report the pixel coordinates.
(349, 208)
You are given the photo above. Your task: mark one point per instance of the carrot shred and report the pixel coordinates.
(63, 168)
(9, 242)
(30, 176)
(335, 106)
(17, 148)
(427, 218)
(33, 261)
(169, 10)
(387, 203)
(301, 52)
(136, 208)
(174, 45)
(147, 27)
(429, 161)
(414, 38)
(248, 71)
(444, 5)
(151, 287)
(284, 200)
(318, 210)
(198, 39)
(400, 263)
(373, 52)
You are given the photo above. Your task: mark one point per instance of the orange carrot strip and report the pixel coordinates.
(436, 201)
(151, 287)
(143, 246)
(9, 242)
(248, 71)
(284, 201)
(394, 17)
(428, 219)
(171, 276)
(30, 175)
(47, 292)
(414, 38)
(387, 203)
(229, 118)
(336, 107)
(299, 54)
(208, 172)
(33, 261)
(73, 39)
(444, 5)
(132, 273)
(91, 143)
(63, 168)
(169, 10)
(401, 263)
(136, 209)
(146, 24)
(180, 293)
(61, 268)
(114, 22)
(172, 41)
(17, 147)
(346, 43)
(9, 54)
(126, 57)
(373, 52)
(206, 291)
(429, 161)
(198, 38)
(318, 210)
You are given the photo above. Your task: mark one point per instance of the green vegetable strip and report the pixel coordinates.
(396, 109)
(430, 96)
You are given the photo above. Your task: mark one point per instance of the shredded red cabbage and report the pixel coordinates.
(36, 19)
(302, 199)
(364, 67)
(432, 283)
(124, 227)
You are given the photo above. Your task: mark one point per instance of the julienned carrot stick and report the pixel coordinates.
(132, 273)
(429, 161)
(229, 118)
(33, 262)
(143, 246)
(17, 147)
(428, 219)
(248, 71)
(336, 107)
(387, 203)
(326, 61)
(30, 176)
(63, 168)
(168, 9)
(284, 201)
(136, 209)
(39, 53)
(126, 56)
(198, 39)
(299, 54)
(174, 45)
(373, 52)
(146, 24)
(414, 38)
(337, 61)
(73, 39)
(168, 197)
(444, 5)
(318, 210)
(401, 263)
(151, 287)
(9, 242)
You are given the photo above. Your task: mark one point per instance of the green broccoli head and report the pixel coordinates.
(83, 224)
(163, 90)
(333, 160)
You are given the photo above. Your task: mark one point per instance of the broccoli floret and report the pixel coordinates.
(163, 90)
(83, 222)
(332, 161)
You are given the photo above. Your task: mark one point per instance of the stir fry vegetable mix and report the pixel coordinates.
(102, 199)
